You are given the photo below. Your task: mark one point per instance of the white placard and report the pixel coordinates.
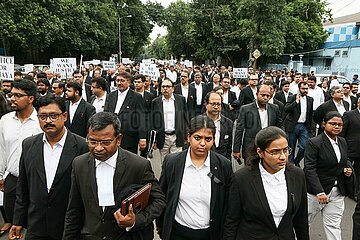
(87, 63)
(240, 73)
(126, 61)
(148, 61)
(172, 62)
(150, 70)
(64, 66)
(108, 65)
(29, 68)
(95, 61)
(6, 68)
(188, 63)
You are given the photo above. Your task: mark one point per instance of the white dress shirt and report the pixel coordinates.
(169, 113)
(51, 158)
(294, 88)
(193, 209)
(99, 103)
(171, 75)
(335, 145)
(236, 90)
(276, 192)
(105, 171)
(217, 133)
(264, 119)
(303, 108)
(199, 92)
(12, 133)
(318, 95)
(185, 91)
(226, 97)
(72, 109)
(347, 99)
(120, 100)
(83, 93)
(340, 107)
(254, 90)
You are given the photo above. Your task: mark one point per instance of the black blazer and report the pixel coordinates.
(249, 124)
(249, 215)
(327, 106)
(88, 92)
(131, 116)
(205, 90)
(232, 114)
(181, 120)
(293, 111)
(148, 97)
(322, 168)
(170, 183)
(246, 96)
(280, 95)
(351, 132)
(36, 209)
(85, 217)
(82, 115)
(191, 99)
(225, 142)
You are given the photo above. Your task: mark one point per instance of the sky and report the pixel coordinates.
(339, 8)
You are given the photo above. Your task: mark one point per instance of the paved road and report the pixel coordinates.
(316, 230)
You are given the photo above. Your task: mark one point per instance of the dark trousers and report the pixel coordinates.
(30, 236)
(180, 232)
(356, 222)
(10, 196)
(300, 135)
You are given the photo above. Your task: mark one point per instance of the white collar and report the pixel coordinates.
(279, 175)
(61, 142)
(171, 98)
(189, 163)
(110, 161)
(124, 92)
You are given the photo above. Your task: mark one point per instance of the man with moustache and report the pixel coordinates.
(45, 174)
(14, 128)
(99, 178)
(252, 118)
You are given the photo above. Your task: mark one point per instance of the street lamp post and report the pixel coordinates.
(120, 53)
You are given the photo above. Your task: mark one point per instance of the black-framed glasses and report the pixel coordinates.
(333, 124)
(17, 95)
(166, 86)
(44, 116)
(277, 152)
(104, 143)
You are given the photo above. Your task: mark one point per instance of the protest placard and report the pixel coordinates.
(64, 66)
(29, 68)
(150, 70)
(109, 65)
(188, 63)
(6, 68)
(240, 73)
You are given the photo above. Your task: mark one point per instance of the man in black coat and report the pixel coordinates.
(78, 109)
(335, 104)
(169, 119)
(101, 180)
(201, 91)
(252, 118)
(188, 92)
(45, 174)
(129, 106)
(298, 120)
(248, 93)
(224, 126)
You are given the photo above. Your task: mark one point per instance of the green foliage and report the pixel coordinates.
(206, 29)
(34, 31)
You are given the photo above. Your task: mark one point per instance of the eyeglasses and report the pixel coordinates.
(53, 116)
(166, 86)
(183, 76)
(277, 153)
(335, 124)
(215, 104)
(17, 95)
(94, 143)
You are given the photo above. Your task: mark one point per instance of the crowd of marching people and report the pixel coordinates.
(72, 150)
